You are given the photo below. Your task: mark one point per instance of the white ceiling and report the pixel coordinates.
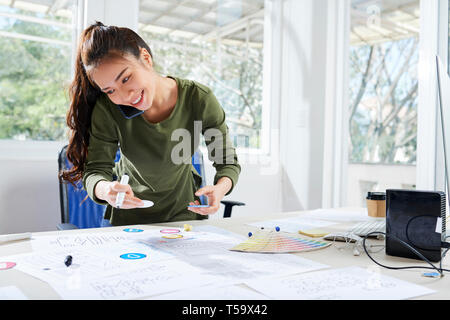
(230, 19)
(375, 21)
(372, 21)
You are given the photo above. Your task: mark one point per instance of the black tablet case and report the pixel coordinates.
(412, 216)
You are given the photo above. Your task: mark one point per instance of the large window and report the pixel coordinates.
(35, 66)
(218, 43)
(383, 95)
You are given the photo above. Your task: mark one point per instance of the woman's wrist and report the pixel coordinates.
(224, 184)
(100, 188)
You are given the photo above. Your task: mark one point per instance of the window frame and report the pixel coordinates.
(87, 11)
(433, 41)
(43, 150)
(434, 33)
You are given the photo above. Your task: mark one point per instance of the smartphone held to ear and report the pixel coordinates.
(129, 112)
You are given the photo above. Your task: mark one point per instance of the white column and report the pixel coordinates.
(336, 105)
(112, 12)
(109, 12)
(302, 100)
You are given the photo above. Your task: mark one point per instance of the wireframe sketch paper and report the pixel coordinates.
(74, 240)
(88, 263)
(178, 274)
(353, 283)
(210, 292)
(120, 267)
(159, 277)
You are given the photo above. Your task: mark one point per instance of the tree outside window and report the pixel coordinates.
(35, 63)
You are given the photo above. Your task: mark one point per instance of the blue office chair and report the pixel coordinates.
(79, 211)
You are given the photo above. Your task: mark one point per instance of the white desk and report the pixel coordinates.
(336, 256)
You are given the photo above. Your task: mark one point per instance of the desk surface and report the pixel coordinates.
(336, 256)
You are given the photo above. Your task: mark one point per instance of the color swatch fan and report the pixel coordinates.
(278, 242)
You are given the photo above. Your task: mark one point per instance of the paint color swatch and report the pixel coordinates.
(279, 242)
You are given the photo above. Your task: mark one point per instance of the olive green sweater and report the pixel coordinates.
(157, 156)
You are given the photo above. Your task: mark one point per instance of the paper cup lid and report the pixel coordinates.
(376, 196)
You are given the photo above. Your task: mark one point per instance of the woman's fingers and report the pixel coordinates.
(213, 206)
(109, 191)
(213, 195)
(204, 191)
(207, 210)
(117, 187)
(131, 203)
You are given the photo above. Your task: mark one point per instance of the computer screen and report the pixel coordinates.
(444, 105)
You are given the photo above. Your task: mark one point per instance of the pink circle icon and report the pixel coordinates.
(7, 265)
(170, 231)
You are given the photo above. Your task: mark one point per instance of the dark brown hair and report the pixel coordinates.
(97, 43)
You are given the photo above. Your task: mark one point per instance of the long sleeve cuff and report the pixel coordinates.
(90, 183)
(231, 172)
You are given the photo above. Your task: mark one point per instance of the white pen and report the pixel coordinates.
(121, 195)
(14, 237)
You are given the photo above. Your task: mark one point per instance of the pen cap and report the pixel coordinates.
(124, 179)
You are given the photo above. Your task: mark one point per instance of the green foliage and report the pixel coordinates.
(33, 81)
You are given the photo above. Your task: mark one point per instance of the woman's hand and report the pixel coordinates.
(214, 193)
(107, 191)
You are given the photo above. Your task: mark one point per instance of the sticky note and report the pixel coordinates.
(314, 233)
(172, 236)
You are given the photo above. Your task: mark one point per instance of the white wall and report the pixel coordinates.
(303, 78)
(363, 177)
(258, 186)
(29, 194)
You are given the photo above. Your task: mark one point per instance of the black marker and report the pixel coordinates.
(68, 261)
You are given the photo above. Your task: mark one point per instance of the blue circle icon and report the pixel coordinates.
(133, 256)
(132, 230)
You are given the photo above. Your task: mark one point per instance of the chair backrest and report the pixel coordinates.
(78, 209)
(76, 206)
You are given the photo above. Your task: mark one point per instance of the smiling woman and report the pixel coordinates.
(114, 70)
(135, 83)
